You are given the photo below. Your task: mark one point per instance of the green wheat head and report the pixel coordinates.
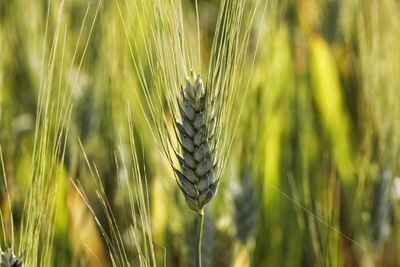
(193, 112)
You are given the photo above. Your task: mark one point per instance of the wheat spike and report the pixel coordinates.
(197, 177)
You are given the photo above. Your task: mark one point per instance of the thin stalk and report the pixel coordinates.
(200, 221)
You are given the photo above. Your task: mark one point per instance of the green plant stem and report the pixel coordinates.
(200, 221)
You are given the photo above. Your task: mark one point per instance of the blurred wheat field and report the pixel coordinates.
(309, 130)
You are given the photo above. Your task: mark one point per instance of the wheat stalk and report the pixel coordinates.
(208, 244)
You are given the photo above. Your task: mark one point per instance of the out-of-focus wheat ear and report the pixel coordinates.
(245, 207)
(8, 259)
(197, 175)
(381, 209)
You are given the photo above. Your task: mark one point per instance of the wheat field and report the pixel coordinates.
(199, 133)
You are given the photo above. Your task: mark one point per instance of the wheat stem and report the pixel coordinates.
(200, 222)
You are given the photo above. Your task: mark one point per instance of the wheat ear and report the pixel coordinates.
(197, 177)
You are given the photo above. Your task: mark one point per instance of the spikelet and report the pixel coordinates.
(197, 176)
